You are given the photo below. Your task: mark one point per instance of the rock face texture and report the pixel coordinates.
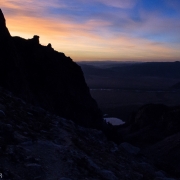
(47, 78)
(38, 145)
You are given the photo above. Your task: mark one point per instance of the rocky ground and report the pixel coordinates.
(35, 144)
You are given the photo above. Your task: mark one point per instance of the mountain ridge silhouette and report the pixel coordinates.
(47, 78)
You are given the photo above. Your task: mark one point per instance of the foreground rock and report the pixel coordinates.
(47, 78)
(35, 144)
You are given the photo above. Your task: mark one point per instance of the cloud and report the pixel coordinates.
(90, 30)
(125, 4)
(80, 42)
(30, 7)
(174, 4)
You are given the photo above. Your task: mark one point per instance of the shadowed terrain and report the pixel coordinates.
(36, 144)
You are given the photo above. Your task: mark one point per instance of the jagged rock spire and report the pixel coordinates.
(2, 19)
(4, 33)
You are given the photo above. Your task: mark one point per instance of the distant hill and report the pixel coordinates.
(106, 64)
(147, 69)
(89, 70)
(153, 69)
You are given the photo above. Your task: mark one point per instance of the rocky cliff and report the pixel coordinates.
(47, 78)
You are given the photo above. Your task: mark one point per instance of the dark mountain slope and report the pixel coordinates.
(45, 77)
(38, 145)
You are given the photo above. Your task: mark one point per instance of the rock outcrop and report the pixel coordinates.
(47, 78)
(4, 33)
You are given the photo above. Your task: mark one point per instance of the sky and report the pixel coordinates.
(97, 30)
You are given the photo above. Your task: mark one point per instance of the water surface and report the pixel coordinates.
(114, 121)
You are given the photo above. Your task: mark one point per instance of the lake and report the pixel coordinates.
(114, 121)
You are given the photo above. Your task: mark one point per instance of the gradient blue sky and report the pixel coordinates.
(122, 30)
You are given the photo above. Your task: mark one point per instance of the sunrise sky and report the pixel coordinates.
(120, 30)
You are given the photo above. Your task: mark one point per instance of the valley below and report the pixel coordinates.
(120, 94)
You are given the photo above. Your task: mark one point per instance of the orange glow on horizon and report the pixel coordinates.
(83, 41)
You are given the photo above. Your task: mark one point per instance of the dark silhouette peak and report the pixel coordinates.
(49, 45)
(4, 33)
(46, 78)
(2, 19)
(35, 39)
